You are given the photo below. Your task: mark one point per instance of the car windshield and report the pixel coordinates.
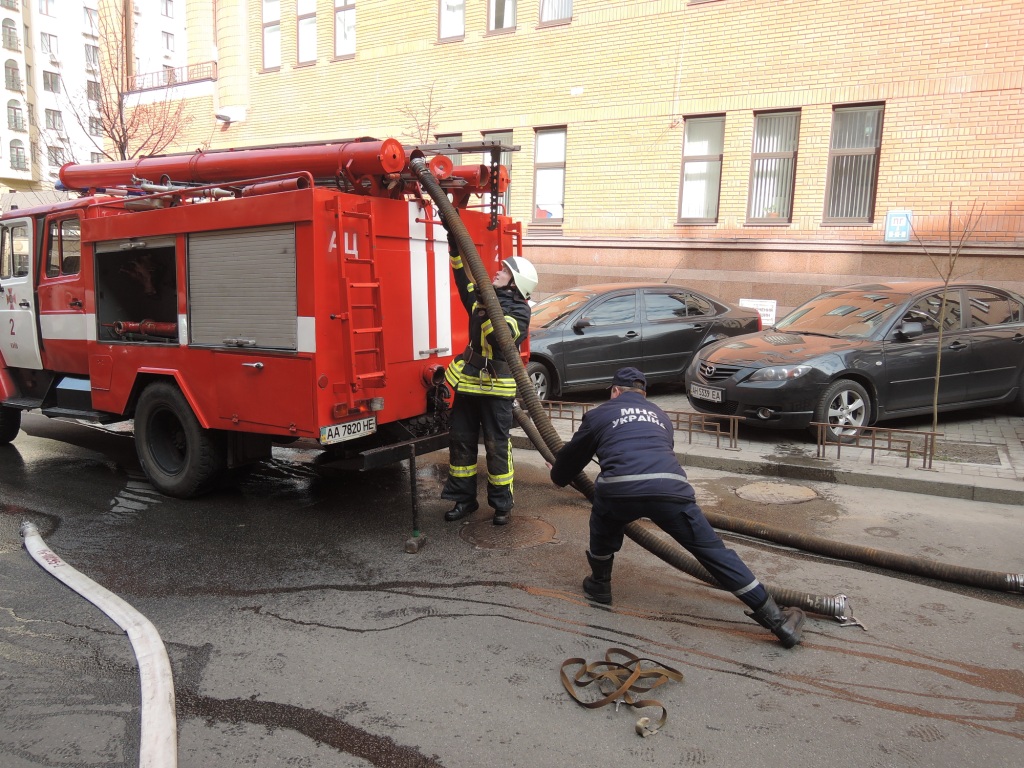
(555, 307)
(846, 314)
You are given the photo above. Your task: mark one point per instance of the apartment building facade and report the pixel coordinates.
(751, 148)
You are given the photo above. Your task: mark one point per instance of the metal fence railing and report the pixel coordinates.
(905, 442)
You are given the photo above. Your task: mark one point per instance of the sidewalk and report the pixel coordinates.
(979, 456)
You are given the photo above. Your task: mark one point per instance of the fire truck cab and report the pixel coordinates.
(232, 299)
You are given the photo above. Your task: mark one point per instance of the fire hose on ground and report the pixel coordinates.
(539, 429)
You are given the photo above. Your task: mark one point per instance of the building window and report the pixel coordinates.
(554, 11)
(167, 8)
(853, 154)
(773, 167)
(95, 126)
(92, 56)
(504, 198)
(703, 145)
(344, 28)
(92, 90)
(450, 138)
(15, 117)
(48, 7)
(48, 43)
(12, 4)
(271, 34)
(549, 175)
(168, 41)
(12, 77)
(55, 156)
(96, 157)
(92, 21)
(306, 31)
(501, 14)
(10, 36)
(51, 82)
(54, 120)
(19, 162)
(452, 21)
(170, 75)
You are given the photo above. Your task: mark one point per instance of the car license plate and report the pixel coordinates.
(350, 430)
(706, 393)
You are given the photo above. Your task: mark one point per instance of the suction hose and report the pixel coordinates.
(543, 434)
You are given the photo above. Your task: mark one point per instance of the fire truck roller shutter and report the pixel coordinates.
(241, 285)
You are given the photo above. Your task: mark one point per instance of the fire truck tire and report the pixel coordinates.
(10, 423)
(179, 457)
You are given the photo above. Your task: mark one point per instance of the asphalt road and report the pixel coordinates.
(301, 633)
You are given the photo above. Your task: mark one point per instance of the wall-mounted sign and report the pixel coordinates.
(897, 226)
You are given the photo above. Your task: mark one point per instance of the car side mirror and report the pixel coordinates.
(909, 330)
(583, 322)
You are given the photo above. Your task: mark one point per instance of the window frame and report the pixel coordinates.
(719, 158)
(302, 31)
(549, 165)
(53, 120)
(541, 22)
(342, 8)
(826, 219)
(268, 25)
(19, 158)
(48, 7)
(48, 43)
(92, 21)
(92, 90)
(491, 28)
(51, 79)
(793, 155)
(15, 117)
(440, 25)
(167, 8)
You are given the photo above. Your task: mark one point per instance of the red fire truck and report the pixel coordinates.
(228, 300)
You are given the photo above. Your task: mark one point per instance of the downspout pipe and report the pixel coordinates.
(541, 431)
(158, 744)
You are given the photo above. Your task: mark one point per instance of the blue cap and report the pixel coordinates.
(629, 377)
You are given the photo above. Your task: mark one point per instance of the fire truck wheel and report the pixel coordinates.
(179, 457)
(10, 423)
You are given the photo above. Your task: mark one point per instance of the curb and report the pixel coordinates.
(930, 483)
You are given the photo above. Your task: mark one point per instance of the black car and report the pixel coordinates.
(862, 354)
(580, 337)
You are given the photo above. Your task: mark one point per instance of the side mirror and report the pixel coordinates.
(583, 322)
(909, 330)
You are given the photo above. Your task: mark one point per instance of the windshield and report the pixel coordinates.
(555, 307)
(846, 314)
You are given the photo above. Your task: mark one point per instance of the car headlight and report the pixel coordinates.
(780, 373)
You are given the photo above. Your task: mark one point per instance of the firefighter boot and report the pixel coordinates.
(460, 510)
(502, 516)
(598, 586)
(785, 623)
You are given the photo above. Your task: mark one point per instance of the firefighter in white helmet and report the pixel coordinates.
(484, 389)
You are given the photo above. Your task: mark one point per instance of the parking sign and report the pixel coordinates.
(897, 226)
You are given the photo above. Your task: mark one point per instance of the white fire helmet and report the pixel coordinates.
(524, 274)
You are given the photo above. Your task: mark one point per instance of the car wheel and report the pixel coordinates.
(541, 378)
(10, 423)
(179, 457)
(845, 407)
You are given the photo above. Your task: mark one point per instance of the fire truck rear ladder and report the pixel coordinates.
(363, 297)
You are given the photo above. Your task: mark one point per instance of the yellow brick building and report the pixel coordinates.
(800, 123)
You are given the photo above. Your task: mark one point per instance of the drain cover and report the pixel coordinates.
(775, 493)
(521, 532)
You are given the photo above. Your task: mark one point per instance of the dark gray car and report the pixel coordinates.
(862, 354)
(580, 337)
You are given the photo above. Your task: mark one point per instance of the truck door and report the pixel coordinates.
(19, 335)
(61, 294)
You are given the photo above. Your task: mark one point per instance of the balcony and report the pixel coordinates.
(11, 41)
(19, 163)
(14, 83)
(9, 4)
(192, 73)
(16, 123)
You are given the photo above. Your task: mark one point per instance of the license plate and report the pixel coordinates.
(350, 430)
(706, 393)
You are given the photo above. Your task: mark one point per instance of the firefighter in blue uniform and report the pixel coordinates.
(641, 477)
(484, 389)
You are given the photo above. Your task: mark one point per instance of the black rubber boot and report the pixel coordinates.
(598, 586)
(502, 516)
(461, 510)
(785, 623)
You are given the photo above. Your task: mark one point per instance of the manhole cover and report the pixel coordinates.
(520, 533)
(775, 493)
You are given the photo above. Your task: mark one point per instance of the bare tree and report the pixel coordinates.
(945, 265)
(121, 125)
(422, 118)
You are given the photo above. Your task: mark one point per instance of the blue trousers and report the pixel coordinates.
(683, 520)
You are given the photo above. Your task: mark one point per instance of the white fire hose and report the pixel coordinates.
(159, 741)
